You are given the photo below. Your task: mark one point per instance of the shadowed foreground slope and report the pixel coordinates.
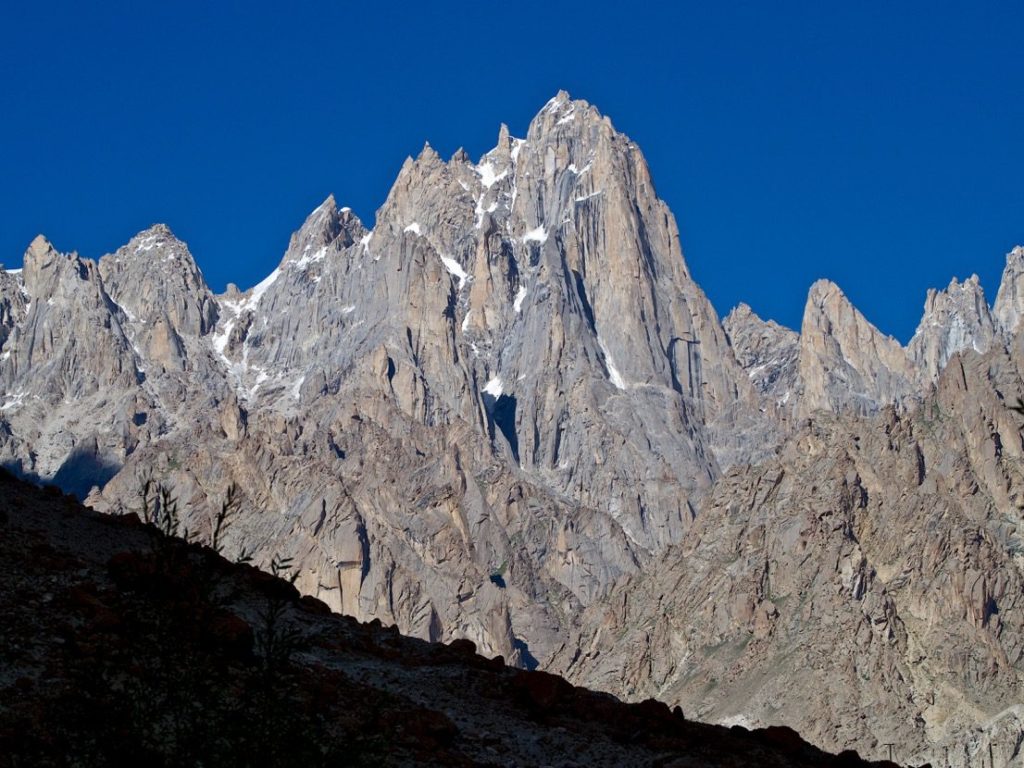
(119, 644)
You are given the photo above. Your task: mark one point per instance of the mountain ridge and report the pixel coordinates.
(135, 629)
(498, 409)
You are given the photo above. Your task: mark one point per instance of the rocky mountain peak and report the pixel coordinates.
(767, 351)
(740, 313)
(1009, 305)
(823, 291)
(155, 233)
(954, 320)
(327, 224)
(428, 154)
(45, 268)
(564, 115)
(154, 279)
(155, 247)
(846, 363)
(40, 246)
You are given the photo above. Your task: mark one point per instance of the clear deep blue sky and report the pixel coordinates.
(881, 148)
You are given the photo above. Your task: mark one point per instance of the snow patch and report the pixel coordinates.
(148, 243)
(261, 288)
(365, 241)
(13, 401)
(414, 228)
(260, 378)
(517, 145)
(480, 210)
(308, 259)
(456, 269)
(465, 321)
(494, 387)
(741, 720)
(520, 295)
(297, 387)
(613, 372)
(569, 117)
(348, 310)
(127, 312)
(14, 271)
(587, 197)
(220, 340)
(536, 235)
(487, 175)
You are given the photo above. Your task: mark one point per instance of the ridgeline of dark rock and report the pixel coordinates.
(123, 646)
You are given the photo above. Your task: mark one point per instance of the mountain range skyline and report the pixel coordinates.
(742, 304)
(509, 413)
(875, 149)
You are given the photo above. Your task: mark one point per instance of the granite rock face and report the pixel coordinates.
(768, 352)
(878, 561)
(507, 412)
(126, 656)
(846, 364)
(955, 320)
(1009, 305)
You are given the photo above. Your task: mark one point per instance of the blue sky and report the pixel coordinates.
(881, 148)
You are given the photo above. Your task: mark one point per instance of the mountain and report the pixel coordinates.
(876, 561)
(507, 410)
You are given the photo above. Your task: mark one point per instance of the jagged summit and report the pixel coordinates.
(740, 310)
(428, 154)
(955, 319)
(322, 228)
(40, 245)
(157, 230)
(767, 351)
(152, 244)
(846, 363)
(562, 105)
(560, 98)
(1009, 304)
(822, 290)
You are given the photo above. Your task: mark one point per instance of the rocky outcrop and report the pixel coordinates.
(67, 369)
(123, 645)
(803, 568)
(1009, 305)
(846, 364)
(13, 304)
(954, 320)
(158, 287)
(768, 352)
